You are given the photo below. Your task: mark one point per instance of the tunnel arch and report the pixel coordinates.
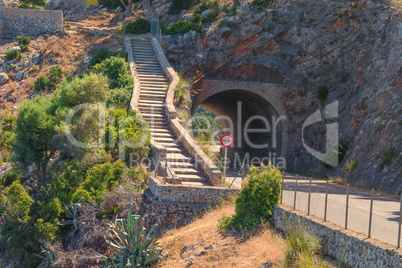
(250, 111)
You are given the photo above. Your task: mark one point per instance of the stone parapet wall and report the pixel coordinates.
(29, 22)
(189, 194)
(348, 247)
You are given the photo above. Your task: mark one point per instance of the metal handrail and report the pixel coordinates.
(241, 170)
(166, 168)
(156, 29)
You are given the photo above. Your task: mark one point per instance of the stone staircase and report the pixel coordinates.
(153, 88)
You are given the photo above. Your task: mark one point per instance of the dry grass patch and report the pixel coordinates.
(204, 245)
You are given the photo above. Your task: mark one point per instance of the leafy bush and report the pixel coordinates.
(210, 17)
(139, 26)
(181, 27)
(34, 68)
(13, 54)
(262, 2)
(177, 6)
(102, 177)
(10, 177)
(16, 201)
(7, 135)
(389, 157)
(41, 83)
(49, 82)
(67, 24)
(213, 4)
(23, 40)
(118, 71)
(323, 92)
(103, 55)
(255, 204)
(132, 245)
(197, 18)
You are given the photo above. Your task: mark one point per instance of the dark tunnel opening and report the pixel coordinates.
(252, 121)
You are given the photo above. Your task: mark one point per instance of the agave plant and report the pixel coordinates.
(47, 257)
(72, 211)
(132, 244)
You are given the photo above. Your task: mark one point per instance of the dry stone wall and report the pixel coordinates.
(349, 248)
(188, 194)
(29, 22)
(169, 214)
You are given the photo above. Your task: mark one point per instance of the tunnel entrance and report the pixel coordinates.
(253, 122)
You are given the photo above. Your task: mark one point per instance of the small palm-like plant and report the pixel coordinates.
(132, 244)
(72, 211)
(47, 256)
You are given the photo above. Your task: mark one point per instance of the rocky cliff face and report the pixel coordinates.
(352, 48)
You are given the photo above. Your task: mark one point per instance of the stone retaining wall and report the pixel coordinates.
(29, 22)
(169, 214)
(189, 194)
(348, 247)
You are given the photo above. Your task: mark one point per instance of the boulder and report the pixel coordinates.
(3, 78)
(19, 76)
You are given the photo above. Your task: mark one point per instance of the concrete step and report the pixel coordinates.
(178, 158)
(157, 135)
(151, 102)
(182, 164)
(147, 69)
(169, 144)
(158, 85)
(152, 76)
(153, 80)
(188, 171)
(156, 91)
(147, 115)
(164, 139)
(150, 110)
(154, 124)
(155, 131)
(191, 178)
(154, 88)
(174, 150)
(152, 97)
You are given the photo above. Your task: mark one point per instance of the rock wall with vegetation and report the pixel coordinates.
(349, 248)
(30, 22)
(321, 52)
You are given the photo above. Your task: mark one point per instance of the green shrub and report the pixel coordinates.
(389, 157)
(139, 26)
(10, 177)
(102, 177)
(323, 92)
(181, 27)
(132, 244)
(197, 18)
(210, 17)
(303, 247)
(49, 82)
(117, 70)
(34, 68)
(212, 4)
(23, 40)
(13, 54)
(16, 201)
(28, 6)
(177, 6)
(67, 24)
(255, 204)
(350, 166)
(231, 10)
(262, 2)
(108, 213)
(120, 97)
(41, 83)
(103, 55)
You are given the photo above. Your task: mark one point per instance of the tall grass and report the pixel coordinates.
(303, 248)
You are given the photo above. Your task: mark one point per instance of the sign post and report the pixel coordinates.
(227, 142)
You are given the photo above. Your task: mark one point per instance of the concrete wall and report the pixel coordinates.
(188, 194)
(346, 246)
(29, 22)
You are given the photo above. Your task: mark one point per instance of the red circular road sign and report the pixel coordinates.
(227, 140)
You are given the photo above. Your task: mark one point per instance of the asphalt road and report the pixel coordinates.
(385, 217)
